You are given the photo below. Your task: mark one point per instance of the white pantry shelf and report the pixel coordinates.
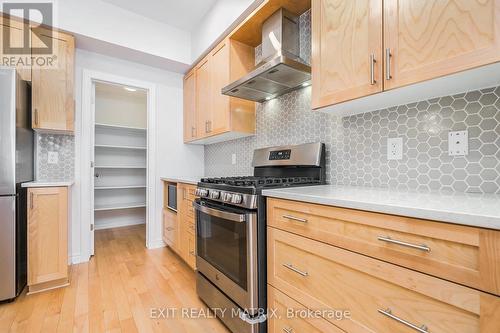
(120, 147)
(119, 187)
(119, 167)
(119, 127)
(118, 206)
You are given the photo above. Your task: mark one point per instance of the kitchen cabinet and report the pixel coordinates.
(361, 48)
(190, 121)
(462, 254)
(179, 231)
(389, 271)
(432, 38)
(187, 230)
(346, 50)
(47, 238)
(52, 85)
(15, 29)
(380, 296)
(218, 117)
(170, 229)
(203, 96)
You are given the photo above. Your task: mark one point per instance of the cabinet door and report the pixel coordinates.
(431, 38)
(47, 234)
(52, 86)
(220, 121)
(190, 128)
(346, 50)
(15, 30)
(203, 97)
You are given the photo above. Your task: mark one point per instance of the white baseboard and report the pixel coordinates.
(118, 224)
(156, 244)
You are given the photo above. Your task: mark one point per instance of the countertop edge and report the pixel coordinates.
(481, 221)
(47, 184)
(192, 181)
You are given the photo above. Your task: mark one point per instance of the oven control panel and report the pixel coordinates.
(280, 155)
(232, 198)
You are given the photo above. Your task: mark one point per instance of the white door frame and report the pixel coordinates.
(87, 135)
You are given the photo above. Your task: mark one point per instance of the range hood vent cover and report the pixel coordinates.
(281, 69)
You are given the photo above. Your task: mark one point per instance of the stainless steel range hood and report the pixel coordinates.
(281, 69)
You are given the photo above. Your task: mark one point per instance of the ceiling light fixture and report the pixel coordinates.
(130, 89)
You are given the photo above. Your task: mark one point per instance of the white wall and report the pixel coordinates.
(218, 19)
(173, 157)
(108, 23)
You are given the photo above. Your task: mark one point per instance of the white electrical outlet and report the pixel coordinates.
(394, 148)
(458, 143)
(53, 157)
(233, 159)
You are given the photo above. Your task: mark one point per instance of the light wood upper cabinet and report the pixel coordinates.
(217, 114)
(15, 30)
(190, 124)
(432, 38)
(346, 50)
(52, 86)
(47, 237)
(203, 97)
(219, 78)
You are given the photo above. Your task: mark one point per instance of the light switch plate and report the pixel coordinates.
(53, 157)
(458, 143)
(394, 148)
(233, 159)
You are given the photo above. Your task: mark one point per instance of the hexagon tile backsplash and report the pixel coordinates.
(64, 145)
(356, 145)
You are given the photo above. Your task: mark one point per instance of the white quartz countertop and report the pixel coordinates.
(185, 180)
(48, 184)
(480, 210)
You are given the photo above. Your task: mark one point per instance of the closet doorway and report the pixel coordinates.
(120, 155)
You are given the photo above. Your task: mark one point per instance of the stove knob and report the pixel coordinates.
(202, 193)
(214, 195)
(226, 197)
(237, 199)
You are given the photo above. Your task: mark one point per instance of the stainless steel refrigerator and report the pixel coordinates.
(16, 167)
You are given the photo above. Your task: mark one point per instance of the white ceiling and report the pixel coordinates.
(182, 14)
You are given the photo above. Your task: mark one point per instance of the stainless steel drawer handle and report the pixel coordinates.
(293, 269)
(298, 219)
(388, 239)
(287, 330)
(388, 56)
(372, 69)
(388, 313)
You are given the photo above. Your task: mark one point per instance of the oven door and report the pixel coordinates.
(227, 251)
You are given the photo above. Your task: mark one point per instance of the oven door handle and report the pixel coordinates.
(219, 213)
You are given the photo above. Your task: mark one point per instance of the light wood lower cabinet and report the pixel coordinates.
(380, 297)
(47, 238)
(465, 255)
(289, 316)
(179, 231)
(170, 229)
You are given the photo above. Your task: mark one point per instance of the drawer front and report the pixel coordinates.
(321, 276)
(288, 316)
(466, 255)
(192, 251)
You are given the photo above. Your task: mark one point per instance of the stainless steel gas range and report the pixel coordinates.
(231, 232)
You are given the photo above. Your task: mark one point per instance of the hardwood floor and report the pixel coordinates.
(115, 292)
